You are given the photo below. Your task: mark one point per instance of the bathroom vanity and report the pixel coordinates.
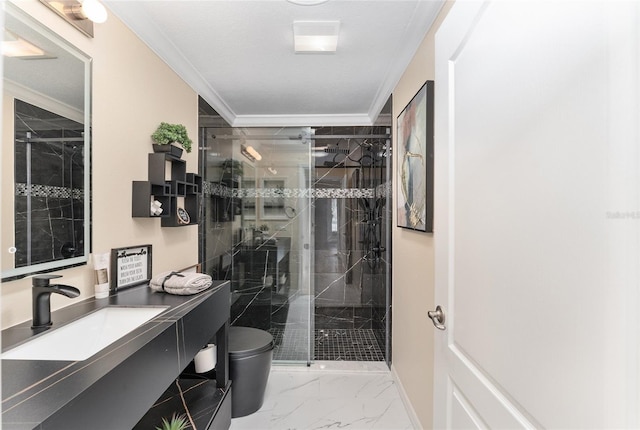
(116, 387)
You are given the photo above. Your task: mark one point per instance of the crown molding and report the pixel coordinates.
(423, 18)
(301, 120)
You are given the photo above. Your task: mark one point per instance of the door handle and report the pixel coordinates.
(437, 317)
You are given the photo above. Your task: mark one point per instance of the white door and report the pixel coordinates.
(538, 214)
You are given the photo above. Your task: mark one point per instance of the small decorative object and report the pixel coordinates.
(166, 135)
(130, 266)
(177, 422)
(101, 268)
(415, 162)
(156, 209)
(290, 212)
(183, 216)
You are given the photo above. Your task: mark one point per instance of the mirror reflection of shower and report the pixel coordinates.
(49, 186)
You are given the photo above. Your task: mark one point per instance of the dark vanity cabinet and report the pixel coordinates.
(170, 184)
(132, 382)
(207, 396)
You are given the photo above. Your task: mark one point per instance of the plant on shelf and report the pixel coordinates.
(177, 422)
(167, 134)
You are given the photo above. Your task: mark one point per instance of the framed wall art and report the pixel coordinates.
(272, 203)
(414, 163)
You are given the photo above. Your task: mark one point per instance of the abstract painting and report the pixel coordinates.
(414, 170)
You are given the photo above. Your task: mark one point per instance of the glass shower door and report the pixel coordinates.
(266, 174)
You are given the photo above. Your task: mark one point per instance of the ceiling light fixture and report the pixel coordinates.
(307, 2)
(15, 46)
(316, 36)
(79, 13)
(250, 153)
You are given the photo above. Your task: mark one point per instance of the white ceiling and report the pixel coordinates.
(238, 55)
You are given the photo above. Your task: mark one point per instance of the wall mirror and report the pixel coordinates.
(46, 147)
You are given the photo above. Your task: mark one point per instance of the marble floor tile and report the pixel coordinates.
(328, 395)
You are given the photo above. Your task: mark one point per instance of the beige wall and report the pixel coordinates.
(413, 265)
(133, 91)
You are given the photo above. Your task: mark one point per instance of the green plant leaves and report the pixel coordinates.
(167, 133)
(177, 422)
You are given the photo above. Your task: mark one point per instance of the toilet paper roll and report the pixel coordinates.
(205, 360)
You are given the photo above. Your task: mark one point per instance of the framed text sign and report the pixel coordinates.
(130, 266)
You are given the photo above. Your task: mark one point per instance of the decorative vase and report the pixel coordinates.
(173, 150)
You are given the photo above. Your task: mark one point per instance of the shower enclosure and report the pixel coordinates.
(296, 219)
(351, 217)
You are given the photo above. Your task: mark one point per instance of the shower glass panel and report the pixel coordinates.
(351, 217)
(258, 205)
(298, 219)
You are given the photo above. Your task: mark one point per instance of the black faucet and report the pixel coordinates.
(41, 292)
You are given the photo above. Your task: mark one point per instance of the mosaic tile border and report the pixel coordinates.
(217, 190)
(21, 189)
(222, 190)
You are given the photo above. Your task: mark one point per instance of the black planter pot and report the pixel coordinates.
(173, 150)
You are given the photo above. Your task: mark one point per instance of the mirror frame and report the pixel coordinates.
(21, 272)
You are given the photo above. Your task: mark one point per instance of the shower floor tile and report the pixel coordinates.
(329, 344)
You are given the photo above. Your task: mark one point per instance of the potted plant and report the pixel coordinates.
(168, 135)
(231, 167)
(177, 422)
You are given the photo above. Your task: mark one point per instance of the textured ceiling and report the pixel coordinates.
(238, 55)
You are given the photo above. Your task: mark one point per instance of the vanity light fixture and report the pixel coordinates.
(315, 37)
(250, 153)
(79, 13)
(89, 9)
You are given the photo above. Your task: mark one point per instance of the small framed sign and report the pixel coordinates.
(130, 266)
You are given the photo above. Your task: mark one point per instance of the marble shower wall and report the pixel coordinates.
(216, 232)
(350, 195)
(351, 263)
(53, 186)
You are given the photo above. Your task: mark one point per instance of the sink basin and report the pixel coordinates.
(84, 337)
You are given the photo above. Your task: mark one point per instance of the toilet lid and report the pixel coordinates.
(245, 341)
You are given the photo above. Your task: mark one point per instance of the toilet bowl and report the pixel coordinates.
(250, 354)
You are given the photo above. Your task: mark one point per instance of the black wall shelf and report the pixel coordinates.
(170, 184)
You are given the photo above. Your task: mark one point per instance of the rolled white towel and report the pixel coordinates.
(181, 283)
